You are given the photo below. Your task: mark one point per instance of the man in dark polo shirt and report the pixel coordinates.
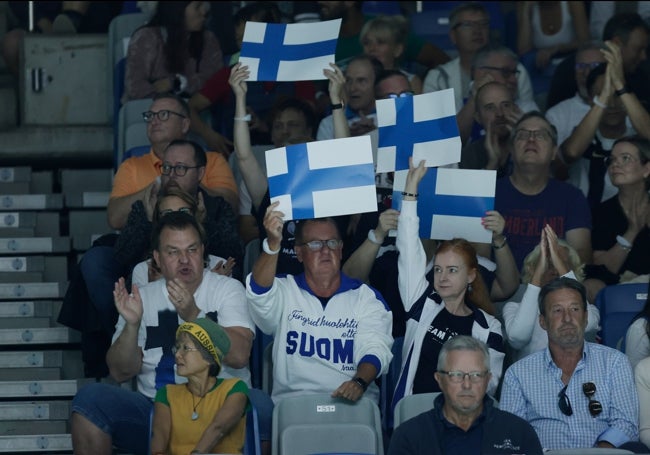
(463, 418)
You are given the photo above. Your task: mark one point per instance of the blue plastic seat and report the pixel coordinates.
(618, 305)
(379, 8)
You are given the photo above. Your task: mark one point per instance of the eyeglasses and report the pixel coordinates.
(468, 25)
(182, 349)
(459, 376)
(187, 210)
(179, 170)
(589, 389)
(622, 160)
(317, 245)
(587, 65)
(505, 72)
(404, 94)
(537, 135)
(163, 115)
(564, 404)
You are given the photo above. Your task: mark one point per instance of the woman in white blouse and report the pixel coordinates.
(550, 259)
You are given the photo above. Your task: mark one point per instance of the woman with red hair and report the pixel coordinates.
(457, 302)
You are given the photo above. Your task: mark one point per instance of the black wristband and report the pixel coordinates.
(415, 195)
(361, 382)
(337, 106)
(622, 91)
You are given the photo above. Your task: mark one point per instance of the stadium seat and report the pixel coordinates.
(310, 424)
(252, 441)
(380, 8)
(588, 451)
(618, 305)
(413, 405)
(131, 129)
(119, 33)
(388, 383)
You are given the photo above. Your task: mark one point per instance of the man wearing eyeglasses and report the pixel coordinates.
(469, 30)
(104, 415)
(136, 178)
(574, 393)
(566, 114)
(529, 198)
(332, 334)
(493, 62)
(464, 419)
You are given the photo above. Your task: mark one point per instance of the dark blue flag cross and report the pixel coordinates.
(300, 181)
(430, 203)
(273, 50)
(407, 132)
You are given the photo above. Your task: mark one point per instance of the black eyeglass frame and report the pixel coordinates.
(179, 170)
(564, 404)
(595, 406)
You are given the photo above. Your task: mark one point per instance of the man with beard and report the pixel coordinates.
(464, 419)
(574, 393)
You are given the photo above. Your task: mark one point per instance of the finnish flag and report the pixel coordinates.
(423, 126)
(322, 178)
(451, 202)
(289, 52)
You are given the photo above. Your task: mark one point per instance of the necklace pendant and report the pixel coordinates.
(195, 415)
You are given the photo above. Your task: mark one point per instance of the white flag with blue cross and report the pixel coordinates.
(452, 202)
(289, 52)
(322, 178)
(423, 126)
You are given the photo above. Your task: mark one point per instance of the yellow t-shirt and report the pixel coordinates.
(185, 432)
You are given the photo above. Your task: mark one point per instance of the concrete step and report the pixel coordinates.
(30, 389)
(25, 323)
(31, 202)
(20, 245)
(51, 290)
(34, 365)
(15, 174)
(76, 181)
(88, 199)
(52, 146)
(19, 264)
(24, 427)
(36, 336)
(34, 410)
(15, 188)
(43, 309)
(86, 226)
(21, 277)
(33, 374)
(35, 443)
(31, 224)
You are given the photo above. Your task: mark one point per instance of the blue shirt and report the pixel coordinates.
(531, 387)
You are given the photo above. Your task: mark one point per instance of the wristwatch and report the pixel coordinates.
(361, 382)
(340, 105)
(622, 91)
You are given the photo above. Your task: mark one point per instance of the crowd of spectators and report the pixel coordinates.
(572, 215)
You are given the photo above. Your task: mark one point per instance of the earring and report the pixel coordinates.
(469, 287)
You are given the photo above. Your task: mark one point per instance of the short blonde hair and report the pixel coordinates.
(575, 263)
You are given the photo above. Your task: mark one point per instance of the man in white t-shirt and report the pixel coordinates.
(103, 415)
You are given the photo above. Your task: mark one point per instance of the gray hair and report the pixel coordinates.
(486, 51)
(463, 343)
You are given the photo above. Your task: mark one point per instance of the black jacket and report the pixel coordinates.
(503, 433)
